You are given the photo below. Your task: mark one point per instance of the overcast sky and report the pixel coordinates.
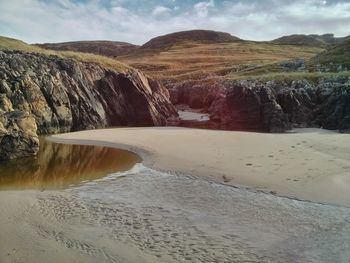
(136, 21)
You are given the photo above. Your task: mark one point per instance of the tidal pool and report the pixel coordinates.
(58, 166)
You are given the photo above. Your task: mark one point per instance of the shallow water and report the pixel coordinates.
(193, 116)
(59, 166)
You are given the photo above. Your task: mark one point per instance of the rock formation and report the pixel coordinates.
(18, 135)
(64, 95)
(272, 106)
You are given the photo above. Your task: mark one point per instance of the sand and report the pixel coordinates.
(183, 211)
(307, 164)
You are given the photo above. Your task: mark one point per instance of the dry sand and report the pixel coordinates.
(308, 164)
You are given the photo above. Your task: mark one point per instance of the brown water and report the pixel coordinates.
(59, 166)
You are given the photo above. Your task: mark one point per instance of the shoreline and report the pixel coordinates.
(313, 173)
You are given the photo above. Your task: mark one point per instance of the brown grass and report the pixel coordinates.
(13, 44)
(191, 59)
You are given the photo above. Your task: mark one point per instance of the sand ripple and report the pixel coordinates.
(163, 217)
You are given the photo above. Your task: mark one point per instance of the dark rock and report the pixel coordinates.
(18, 135)
(66, 95)
(273, 106)
(248, 106)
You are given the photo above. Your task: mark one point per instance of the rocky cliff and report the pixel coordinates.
(51, 94)
(272, 106)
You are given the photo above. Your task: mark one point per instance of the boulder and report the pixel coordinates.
(18, 135)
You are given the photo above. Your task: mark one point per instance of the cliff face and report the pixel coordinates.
(272, 106)
(65, 95)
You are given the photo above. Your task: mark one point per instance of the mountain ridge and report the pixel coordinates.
(98, 47)
(312, 39)
(197, 35)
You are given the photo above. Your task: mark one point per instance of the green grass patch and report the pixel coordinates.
(313, 77)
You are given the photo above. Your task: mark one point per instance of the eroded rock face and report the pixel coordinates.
(18, 135)
(323, 104)
(248, 106)
(273, 106)
(65, 95)
(233, 105)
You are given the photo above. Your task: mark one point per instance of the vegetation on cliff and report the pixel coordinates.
(14, 44)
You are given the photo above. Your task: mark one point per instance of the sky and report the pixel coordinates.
(137, 21)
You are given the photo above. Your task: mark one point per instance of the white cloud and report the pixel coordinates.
(202, 8)
(161, 10)
(51, 21)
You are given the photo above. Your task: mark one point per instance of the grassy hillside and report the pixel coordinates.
(198, 36)
(335, 56)
(197, 60)
(192, 59)
(13, 44)
(308, 40)
(103, 48)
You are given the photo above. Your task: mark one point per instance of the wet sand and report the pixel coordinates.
(309, 164)
(148, 216)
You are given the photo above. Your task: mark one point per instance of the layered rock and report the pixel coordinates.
(273, 106)
(248, 106)
(18, 135)
(66, 95)
(233, 105)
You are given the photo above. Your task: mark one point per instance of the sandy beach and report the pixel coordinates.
(307, 164)
(175, 206)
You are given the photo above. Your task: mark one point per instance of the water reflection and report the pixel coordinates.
(58, 166)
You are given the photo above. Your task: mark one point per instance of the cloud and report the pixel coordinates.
(202, 8)
(161, 10)
(137, 21)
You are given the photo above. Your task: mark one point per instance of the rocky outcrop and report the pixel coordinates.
(66, 95)
(273, 106)
(234, 105)
(18, 135)
(248, 106)
(325, 103)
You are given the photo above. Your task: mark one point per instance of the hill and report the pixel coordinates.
(335, 58)
(104, 48)
(14, 44)
(309, 40)
(195, 60)
(201, 36)
(7, 43)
